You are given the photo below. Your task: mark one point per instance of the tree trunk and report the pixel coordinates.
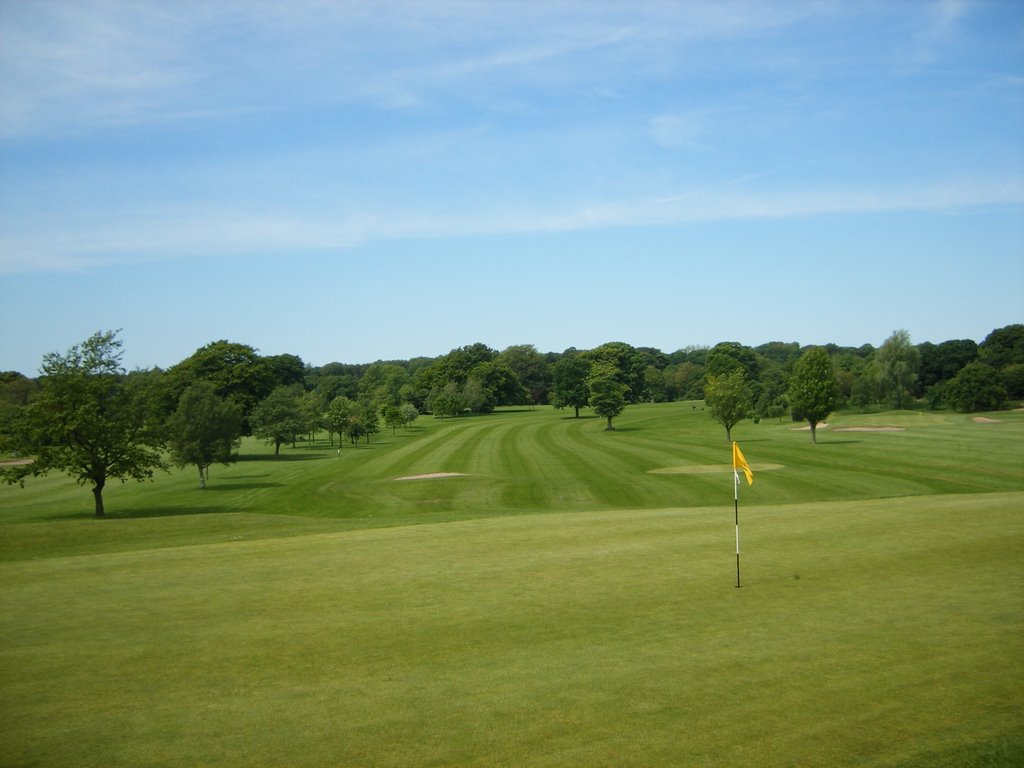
(609, 427)
(202, 477)
(728, 435)
(814, 431)
(97, 494)
(277, 449)
(577, 411)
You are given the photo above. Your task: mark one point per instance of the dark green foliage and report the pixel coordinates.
(569, 379)
(607, 393)
(86, 421)
(728, 398)
(898, 365)
(813, 391)
(235, 370)
(205, 429)
(976, 388)
(1004, 346)
(278, 418)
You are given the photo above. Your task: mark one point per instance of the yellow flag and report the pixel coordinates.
(738, 462)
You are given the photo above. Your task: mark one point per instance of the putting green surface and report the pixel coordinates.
(881, 631)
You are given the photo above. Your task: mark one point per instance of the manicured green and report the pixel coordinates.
(569, 601)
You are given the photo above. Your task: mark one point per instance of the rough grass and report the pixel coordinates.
(880, 621)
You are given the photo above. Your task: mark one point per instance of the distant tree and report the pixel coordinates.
(569, 381)
(236, 371)
(311, 410)
(409, 414)
(474, 396)
(728, 398)
(530, 368)
(813, 391)
(627, 363)
(286, 370)
(899, 363)
(205, 429)
(1012, 377)
(277, 419)
(393, 418)
(383, 383)
(84, 420)
(1004, 346)
(941, 362)
(446, 400)
(337, 416)
(607, 393)
(369, 420)
(975, 388)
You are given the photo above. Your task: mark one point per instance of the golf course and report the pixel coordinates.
(524, 588)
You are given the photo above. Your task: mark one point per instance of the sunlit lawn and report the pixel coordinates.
(561, 604)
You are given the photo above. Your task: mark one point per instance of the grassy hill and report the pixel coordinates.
(568, 599)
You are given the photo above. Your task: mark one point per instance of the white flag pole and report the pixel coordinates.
(736, 505)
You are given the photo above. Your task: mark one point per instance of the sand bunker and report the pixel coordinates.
(709, 469)
(984, 420)
(15, 462)
(432, 476)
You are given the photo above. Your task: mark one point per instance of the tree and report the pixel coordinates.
(607, 393)
(813, 390)
(338, 414)
(530, 368)
(975, 388)
(84, 420)
(899, 363)
(446, 400)
(277, 419)
(369, 419)
(728, 398)
(204, 429)
(1004, 346)
(409, 414)
(569, 378)
(235, 370)
(393, 418)
(311, 409)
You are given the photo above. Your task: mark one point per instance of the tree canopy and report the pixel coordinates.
(813, 388)
(84, 420)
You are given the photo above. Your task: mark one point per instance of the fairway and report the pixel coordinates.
(562, 596)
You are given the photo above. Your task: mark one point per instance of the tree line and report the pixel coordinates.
(85, 415)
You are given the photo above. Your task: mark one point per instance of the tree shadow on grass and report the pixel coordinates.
(283, 457)
(138, 513)
(231, 486)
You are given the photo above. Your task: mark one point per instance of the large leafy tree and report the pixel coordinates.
(205, 429)
(975, 388)
(278, 419)
(813, 390)
(1004, 346)
(339, 412)
(728, 398)
(899, 364)
(236, 371)
(530, 368)
(607, 393)
(569, 377)
(86, 421)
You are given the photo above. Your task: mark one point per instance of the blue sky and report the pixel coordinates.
(359, 181)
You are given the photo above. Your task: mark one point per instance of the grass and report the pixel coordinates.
(561, 605)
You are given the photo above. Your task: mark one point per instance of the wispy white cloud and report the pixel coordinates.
(197, 233)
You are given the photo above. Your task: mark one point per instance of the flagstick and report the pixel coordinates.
(736, 504)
